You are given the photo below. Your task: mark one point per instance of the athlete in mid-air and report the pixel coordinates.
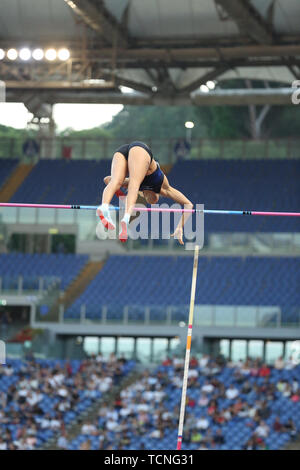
(144, 174)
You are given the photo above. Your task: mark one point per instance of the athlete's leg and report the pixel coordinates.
(138, 165)
(119, 192)
(118, 173)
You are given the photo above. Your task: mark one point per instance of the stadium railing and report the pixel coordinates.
(102, 148)
(205, 315)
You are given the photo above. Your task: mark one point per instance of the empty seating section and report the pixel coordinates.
(159, 281)
(262, 185)
(269, 185)
(6, 168)
(66, 267)
(63, 182)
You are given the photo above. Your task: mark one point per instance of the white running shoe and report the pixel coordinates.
(104, 215)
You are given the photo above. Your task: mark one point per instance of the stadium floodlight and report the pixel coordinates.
(2, 54)
(204, 89)
(12, 54)
(50, 54)
(25, 53)
(71, 4)
(125, 89)
(63, 54)
(94, 81)
(38, 54)
(189, 124)
(210, 84)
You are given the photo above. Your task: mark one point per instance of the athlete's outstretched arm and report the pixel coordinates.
(168, 191)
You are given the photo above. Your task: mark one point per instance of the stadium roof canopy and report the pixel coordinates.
(164, 50)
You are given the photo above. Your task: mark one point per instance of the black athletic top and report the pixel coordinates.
(151, 182)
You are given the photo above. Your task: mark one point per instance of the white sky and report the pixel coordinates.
(77, 116)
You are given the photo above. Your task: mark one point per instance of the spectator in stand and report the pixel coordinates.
(281, 385)
(3, 444)
(207, 387)
(218, 418)
(279, 363)
(203, 400)
(255, 368)
(193, 363)
(264, 371)
(237, 406)
(290, 364)
(246, 388)
(238, 376)
(178, 363)
(89, 428)
(191, 402)
(196, 437)
(296, 397)
(250, 444)
(86, 445)
(295, 385)
(190, 423)
(167, 362)
(246, 367)
(263, 411)
(202, 447)
(156, 434)
(277, 425)
(219, 438)
(262, 430)
(192, 377)
(182, 149)
(232, 392)
(203, 362)
(202, 423)
(212, 407)
(62, 441)
(290, 428)
(103, 441)
(287, 392)
(30, 147)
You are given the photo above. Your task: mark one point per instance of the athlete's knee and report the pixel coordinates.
(133, 185)
(117, 182)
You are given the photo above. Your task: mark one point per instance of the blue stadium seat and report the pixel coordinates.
(65, 267)
(159, 281)
(7, 165)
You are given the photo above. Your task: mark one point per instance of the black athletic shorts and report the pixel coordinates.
(124, 149)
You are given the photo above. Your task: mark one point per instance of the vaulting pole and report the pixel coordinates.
(188, 349)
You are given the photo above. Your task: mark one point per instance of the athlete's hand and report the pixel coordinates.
(178, 234)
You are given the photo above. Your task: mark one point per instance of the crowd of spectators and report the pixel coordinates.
(39, 398)
(244, 405)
